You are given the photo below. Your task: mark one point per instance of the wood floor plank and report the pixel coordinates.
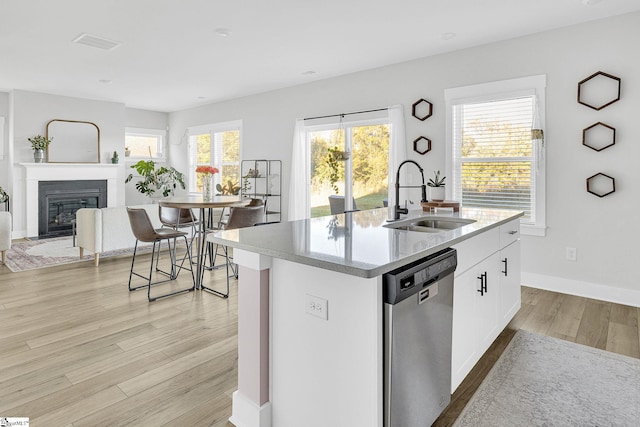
(623, 339)
(568, 317)
(594, 325)
(81, 408)
(541, 317)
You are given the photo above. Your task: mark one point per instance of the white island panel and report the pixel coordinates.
(329, 372)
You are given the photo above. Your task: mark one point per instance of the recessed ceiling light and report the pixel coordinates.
(105, 81)
(590, 2)
(223, 32)
(97, 42)
(448, 36)
(202, 97)
(308, 72)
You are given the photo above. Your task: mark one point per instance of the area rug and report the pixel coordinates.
(49, 252)
(544, 381)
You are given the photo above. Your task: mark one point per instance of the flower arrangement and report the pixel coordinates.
(39, 142)
(207, 170)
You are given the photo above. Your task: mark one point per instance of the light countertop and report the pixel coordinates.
(358, 243)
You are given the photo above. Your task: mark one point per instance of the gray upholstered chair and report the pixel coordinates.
(239, 217)
(336, 204)
(5, 234)
(144, 232)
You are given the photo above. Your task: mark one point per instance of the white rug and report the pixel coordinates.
(49, 252)
(544, 381)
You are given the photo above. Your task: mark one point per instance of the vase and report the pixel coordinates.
(207, 188)
(436, 194)
(38, 156)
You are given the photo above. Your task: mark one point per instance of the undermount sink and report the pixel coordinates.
(429, 224)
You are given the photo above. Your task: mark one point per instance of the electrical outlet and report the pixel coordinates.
(571, 254)
(316, 306)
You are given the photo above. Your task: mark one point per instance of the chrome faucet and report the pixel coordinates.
(397, 210)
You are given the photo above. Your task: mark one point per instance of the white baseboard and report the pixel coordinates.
(246, 413)
(583, 289)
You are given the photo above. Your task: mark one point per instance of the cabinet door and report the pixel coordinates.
(487, 303)
(475, 316)
(464, 336)
(509, 283)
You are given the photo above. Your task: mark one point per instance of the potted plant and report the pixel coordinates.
(164, 180)
(436, 190)
(39, 143)
(332, 160)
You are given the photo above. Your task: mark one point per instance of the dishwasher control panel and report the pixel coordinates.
(408, 280)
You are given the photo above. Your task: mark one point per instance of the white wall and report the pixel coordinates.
(5, 179)
(604, 231)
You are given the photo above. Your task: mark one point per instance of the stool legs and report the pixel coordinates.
(171, 276)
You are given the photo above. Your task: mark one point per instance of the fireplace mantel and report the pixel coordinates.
(36, 172)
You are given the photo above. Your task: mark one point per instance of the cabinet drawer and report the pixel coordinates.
(477, 248)
(509, 232)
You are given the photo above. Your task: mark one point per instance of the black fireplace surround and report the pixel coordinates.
(58, 202)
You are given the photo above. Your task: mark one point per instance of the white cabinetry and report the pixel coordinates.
(484, 298)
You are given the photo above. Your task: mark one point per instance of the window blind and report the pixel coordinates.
(493, 154)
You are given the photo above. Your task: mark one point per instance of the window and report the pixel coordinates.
(217, 145)
(144, 143)
(363, 176)
(495, 159)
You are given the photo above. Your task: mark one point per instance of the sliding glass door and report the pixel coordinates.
(350, 160)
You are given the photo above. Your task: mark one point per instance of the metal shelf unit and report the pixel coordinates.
(262, 179)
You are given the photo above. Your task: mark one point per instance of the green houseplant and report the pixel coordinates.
(436, 190)
(39, 143)
(163, 179)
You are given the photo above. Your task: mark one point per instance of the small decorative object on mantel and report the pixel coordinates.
(206, 172)
(601, 184)
(436, 187)
(422, 109)
(422, 145)
(599, 136)
(127, 152)
(599, 90)
(39, 143)
(115, 158)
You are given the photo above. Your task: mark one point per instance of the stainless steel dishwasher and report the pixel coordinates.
(418, 308)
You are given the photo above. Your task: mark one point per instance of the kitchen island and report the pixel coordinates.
(310, 322)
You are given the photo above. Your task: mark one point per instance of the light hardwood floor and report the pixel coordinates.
(77, 349)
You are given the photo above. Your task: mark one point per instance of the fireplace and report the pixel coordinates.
(58, 202)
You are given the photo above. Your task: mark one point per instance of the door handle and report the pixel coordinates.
(506, 264)
(483, 283)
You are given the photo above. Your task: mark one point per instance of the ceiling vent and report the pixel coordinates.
(97, 42)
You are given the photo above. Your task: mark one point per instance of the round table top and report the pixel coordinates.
(197, 201)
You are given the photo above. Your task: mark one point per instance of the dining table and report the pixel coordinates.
(205, 206)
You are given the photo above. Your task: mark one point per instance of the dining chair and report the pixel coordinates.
(336, 204)
(239, 217)
(144, 232)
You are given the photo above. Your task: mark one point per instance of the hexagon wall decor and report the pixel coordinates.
(422, 145)
(422, 109)
(601, 184)
(599, 136)
(599, 90)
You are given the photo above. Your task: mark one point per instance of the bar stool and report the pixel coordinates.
(144, 232)
(239, 217)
